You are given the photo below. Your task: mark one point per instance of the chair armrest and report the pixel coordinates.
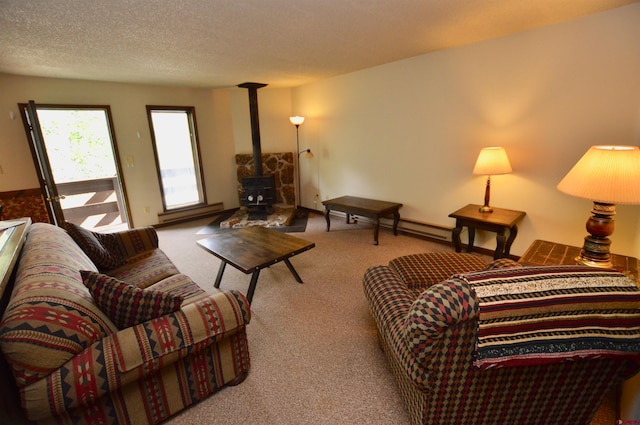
(438, 310)
(389, 299)
(137, 352)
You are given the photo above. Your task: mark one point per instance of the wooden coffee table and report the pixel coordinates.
(371, 208)
(251, 249)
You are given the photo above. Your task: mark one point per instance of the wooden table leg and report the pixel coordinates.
(220, 273)
(500, 244)
(326, 217)
(455, 236)
(376, 230)
(252, 285)
(513, 232)
(396, 220)
(472, 238)
(292, 270)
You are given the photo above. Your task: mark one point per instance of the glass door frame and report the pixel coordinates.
(42, 164)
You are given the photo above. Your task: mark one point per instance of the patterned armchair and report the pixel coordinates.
(503, 345)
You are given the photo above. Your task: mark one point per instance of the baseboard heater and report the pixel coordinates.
(414, 227)
(189, 213)
(422, 228)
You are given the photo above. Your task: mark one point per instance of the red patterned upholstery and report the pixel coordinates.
(145, 269)
(72, 364)
(430, 337)
(51, 316)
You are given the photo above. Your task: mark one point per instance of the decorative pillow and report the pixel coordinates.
(92, 245)
(127, 305)
(502, 263)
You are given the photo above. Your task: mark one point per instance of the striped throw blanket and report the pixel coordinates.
(538, 315)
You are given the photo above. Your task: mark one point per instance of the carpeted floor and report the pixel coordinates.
(315, 357)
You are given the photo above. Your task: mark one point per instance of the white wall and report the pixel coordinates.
(127, 103)
(410, 131)
(277, 134)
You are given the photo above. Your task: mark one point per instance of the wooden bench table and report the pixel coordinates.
(365, 207)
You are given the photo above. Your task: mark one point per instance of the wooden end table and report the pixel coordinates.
(499, 221)
(252, 249)
(545, 253)
(371, 208)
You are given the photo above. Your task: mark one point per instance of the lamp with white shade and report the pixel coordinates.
(606, 175)
(491, 162)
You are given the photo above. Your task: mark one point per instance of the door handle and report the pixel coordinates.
(56, 198)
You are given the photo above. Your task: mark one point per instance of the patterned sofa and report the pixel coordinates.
(471, 343)
(128, 340)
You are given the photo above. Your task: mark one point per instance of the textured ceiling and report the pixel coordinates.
(221, 43)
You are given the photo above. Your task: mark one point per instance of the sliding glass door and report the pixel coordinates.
(75, 154)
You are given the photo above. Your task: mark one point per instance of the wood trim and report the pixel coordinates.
(18, 193)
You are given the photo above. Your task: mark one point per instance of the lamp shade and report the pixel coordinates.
(492, 161)
(607, 174)
(296, 120)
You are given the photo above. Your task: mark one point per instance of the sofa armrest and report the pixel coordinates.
(202, 322)
(129, 243)
(137, 352)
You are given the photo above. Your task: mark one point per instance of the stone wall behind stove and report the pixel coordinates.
(280, 164)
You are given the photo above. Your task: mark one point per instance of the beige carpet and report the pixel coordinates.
(314, 352)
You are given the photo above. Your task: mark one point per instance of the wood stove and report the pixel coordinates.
(258, 195)
(258, 192)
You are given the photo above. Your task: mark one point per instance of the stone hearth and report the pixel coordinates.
(281, 216)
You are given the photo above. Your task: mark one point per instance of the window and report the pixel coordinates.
(177, 154)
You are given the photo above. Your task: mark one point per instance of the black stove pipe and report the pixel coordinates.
(255, 124)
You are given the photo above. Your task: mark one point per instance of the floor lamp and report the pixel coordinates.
(297, 121)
